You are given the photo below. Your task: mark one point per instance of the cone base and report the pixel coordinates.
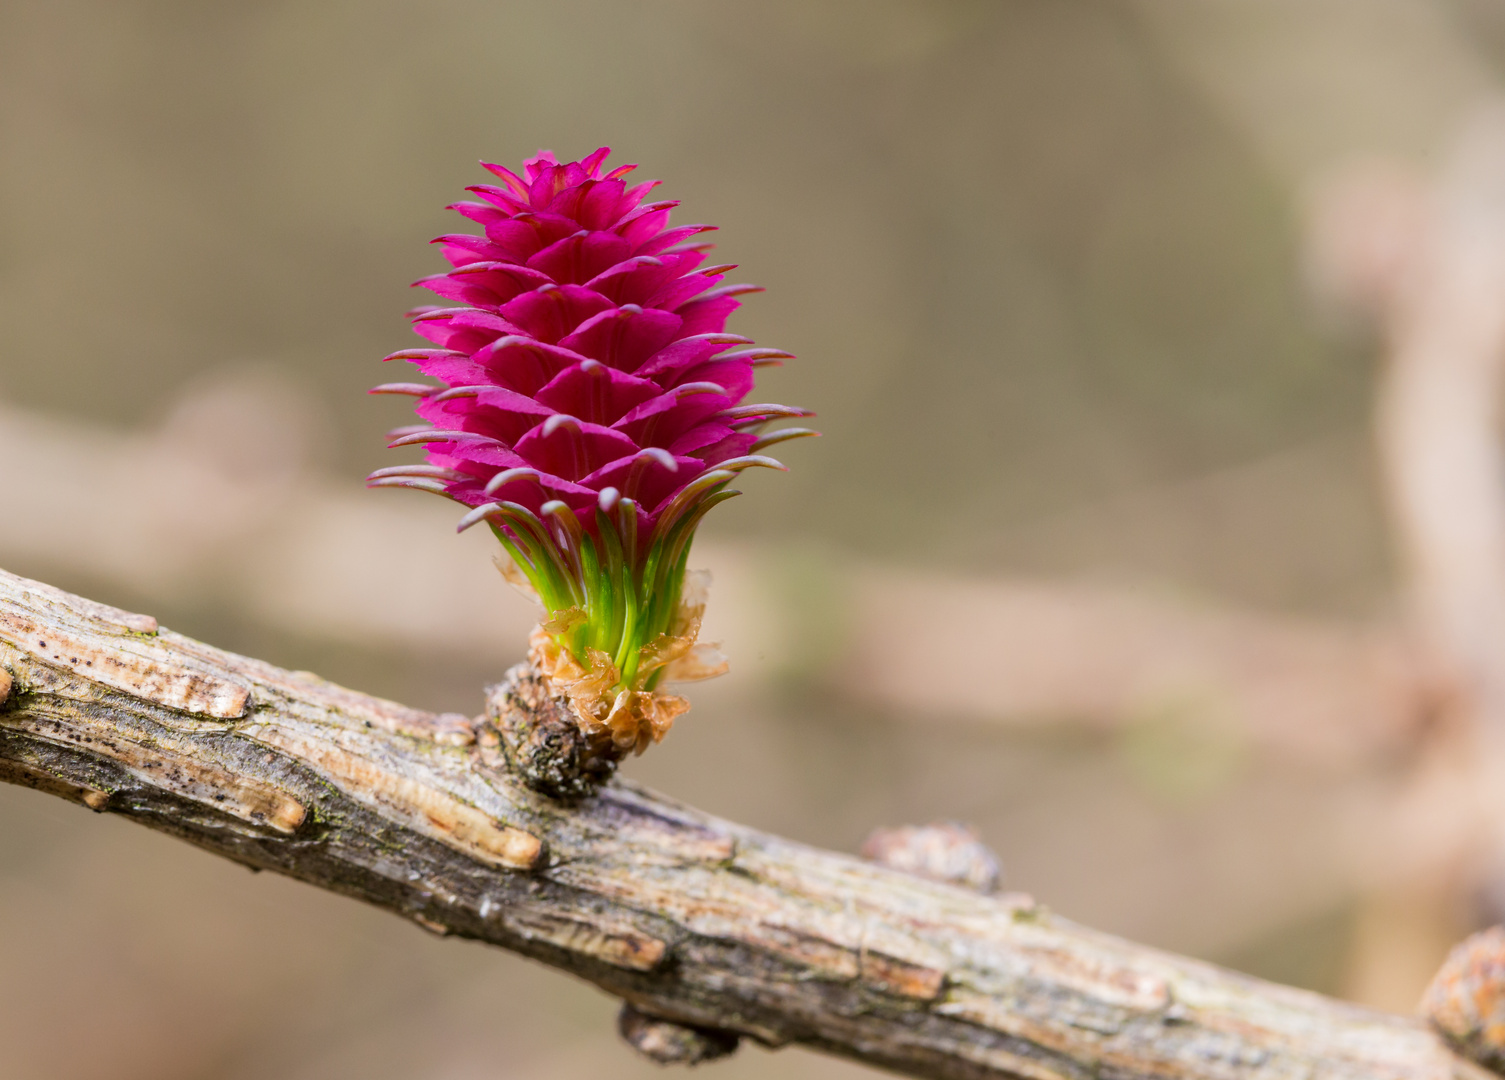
(542, 740)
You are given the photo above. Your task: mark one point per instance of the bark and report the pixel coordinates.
(686, 917)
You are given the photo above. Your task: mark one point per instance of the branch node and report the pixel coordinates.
(669, 1043)
(453, 729)
(943, 851)
(433, 926)
(1466, 1000)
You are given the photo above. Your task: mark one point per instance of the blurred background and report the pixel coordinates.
(1158, 530)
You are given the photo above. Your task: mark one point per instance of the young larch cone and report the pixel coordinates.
(589, 407)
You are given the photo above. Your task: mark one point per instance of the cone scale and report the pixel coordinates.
(589, 406)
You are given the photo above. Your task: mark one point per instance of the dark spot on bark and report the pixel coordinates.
(545, 746)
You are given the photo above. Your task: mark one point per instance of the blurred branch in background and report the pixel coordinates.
(1386, 119)
(1426, 261)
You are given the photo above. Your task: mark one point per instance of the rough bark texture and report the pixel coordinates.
(686, 917)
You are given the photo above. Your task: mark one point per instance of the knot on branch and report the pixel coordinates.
(943, 851)
(543, 744)
(1466, 1000)
(669, 1043)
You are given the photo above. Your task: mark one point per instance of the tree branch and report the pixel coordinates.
(686, 917)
